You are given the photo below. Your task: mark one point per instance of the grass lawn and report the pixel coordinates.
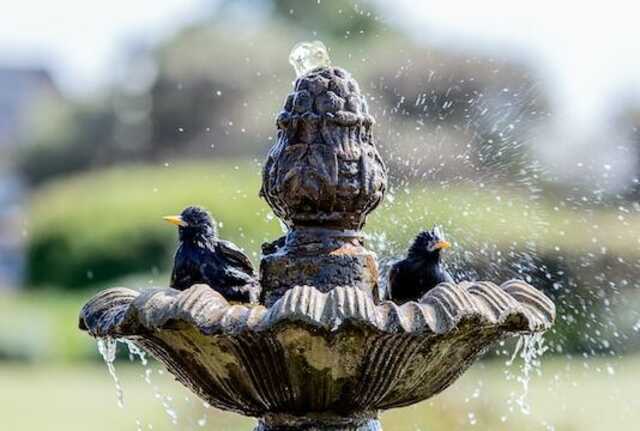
(570, 395)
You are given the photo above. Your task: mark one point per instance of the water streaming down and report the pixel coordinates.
(108, 348)
(530, 349)
(165, 400)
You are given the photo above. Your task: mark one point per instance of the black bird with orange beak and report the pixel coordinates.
(203, 258)
(422, 270)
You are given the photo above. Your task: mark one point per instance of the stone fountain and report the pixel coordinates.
(322, 350)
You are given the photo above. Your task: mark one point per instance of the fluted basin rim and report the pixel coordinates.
(515, 305)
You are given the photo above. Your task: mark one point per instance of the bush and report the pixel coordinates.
(99, 227)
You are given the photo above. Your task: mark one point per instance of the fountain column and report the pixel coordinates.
(322, 178)
(319, 423)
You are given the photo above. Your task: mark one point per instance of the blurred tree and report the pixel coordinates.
(472, 111)
(340, 19)
(65, 137)
(218, 90)
(216, 87)
(183, 111)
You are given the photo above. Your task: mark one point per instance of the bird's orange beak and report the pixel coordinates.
(441, 245)
(177, 220)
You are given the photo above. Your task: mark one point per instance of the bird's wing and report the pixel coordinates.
(235, 256)
(394, 274)
(172, 283)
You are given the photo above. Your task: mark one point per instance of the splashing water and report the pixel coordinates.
(530, 348)
(165, 400)
(307, 56)
(135, 351)
(107, 348)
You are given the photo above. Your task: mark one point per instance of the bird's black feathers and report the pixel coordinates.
(203, 258)
(235, 256)
(421, 270)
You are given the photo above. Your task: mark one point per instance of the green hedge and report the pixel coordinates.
(98, 227)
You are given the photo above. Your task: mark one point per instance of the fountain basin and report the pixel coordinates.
(333, 357)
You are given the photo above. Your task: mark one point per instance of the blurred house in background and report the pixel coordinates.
(21, 90)
(12, 240)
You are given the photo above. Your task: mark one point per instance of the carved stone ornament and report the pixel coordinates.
(322, 351)
(324, 170)
(322, 178)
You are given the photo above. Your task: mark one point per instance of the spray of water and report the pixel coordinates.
(108, 347)
(165, 400)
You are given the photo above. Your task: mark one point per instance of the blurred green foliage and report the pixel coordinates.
(42, 326)
(64, 138)
(98, 227)
(215, 88)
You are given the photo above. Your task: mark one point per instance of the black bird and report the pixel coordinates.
(422, 270)
(203, 258)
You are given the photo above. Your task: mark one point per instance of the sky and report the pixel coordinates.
(80, 41)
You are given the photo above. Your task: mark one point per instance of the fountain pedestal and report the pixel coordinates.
(321, 351)
(320, 257)
(320, 422)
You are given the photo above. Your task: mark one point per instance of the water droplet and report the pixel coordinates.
(135, 351)
(307, 56)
